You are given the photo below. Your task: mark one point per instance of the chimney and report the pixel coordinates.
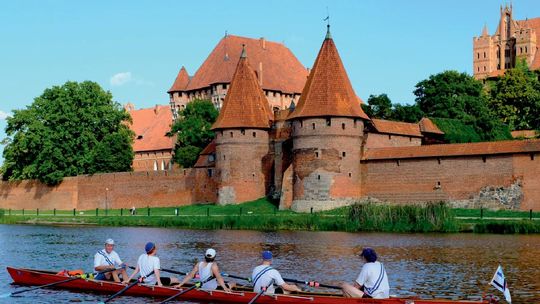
(156, 109)
(263, 43)
(260, 74)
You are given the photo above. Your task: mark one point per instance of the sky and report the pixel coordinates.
(135, 48)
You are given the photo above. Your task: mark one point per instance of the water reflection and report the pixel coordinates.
(431, 265)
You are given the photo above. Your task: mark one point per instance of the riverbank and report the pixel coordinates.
(262, 215)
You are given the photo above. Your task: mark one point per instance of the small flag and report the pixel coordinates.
(326, 18)
(500, 283)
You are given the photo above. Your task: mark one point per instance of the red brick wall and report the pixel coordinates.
(139, 189)
(378, 140)
(416, 180)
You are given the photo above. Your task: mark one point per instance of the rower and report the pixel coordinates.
(106, 259)
(205, 270)
(372, 282)
(264, 274)
(147, 263)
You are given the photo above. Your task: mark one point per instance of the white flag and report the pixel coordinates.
(500, 283)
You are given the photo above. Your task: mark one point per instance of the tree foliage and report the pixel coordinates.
(380, 106)
(69, 130)
(515, 98)
(193, 131)
(455, 95)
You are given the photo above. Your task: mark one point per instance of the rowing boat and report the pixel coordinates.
(33, 277)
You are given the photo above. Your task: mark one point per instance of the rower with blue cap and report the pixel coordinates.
(107, 259)
(148, 268)
(372, 282)
(264, 276)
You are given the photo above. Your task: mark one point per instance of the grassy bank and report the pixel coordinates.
(263, 215)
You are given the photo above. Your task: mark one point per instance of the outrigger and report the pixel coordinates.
(240, 294)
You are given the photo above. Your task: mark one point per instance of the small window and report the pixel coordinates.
(521, 50)
(398, 162)
(389, 136)
(274, 94)
(350, 174)
(329, 122)
(223, 157)
(243, 131)
(439, 160)
(410, 138)
(232, 135)
(478, 69)
(343, 126)
(478, 55)
(301, 124)
(525, 49)
(317, 154)
(484, 159)
(532, 156)
(313, 125)
(254, 134)
(318, 177)
(343, 154)
(484, 54)
(224, 86)
(484, 68)
(210, 172)
(355, 122)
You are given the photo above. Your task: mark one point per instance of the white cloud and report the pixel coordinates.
(3, 115)
(120, 78)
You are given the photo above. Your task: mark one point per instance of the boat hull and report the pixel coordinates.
(31, 277)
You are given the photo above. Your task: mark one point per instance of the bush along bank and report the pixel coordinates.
(262, 215)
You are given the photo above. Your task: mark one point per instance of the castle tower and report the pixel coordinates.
(178, 99)
(483, 54)
(242, 139)
(328, 125)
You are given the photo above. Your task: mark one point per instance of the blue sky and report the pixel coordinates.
(387, 46)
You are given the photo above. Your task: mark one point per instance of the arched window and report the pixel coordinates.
(155, 165)
(163, 165)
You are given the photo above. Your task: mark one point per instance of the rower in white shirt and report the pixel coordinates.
(372, 282)
(148, 268)
(106, 259)
(264, 276)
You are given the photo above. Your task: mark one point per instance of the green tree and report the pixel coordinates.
(69, 130)
(515, 98)
(455, 95)
(407, 113)
(193, 131)
(379, 106)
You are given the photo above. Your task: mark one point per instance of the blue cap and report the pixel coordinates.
(369, 254)
(149, 246)
(267, 255)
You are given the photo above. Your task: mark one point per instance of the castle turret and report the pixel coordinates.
(178, 99)
(242, 139)
(328, 125)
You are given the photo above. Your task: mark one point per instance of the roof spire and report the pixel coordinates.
(327, 19)
(244, 53)
(485, 30)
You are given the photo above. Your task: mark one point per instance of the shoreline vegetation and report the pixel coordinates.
(263, 215)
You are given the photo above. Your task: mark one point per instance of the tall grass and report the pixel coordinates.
(507, 227)
(432, 217)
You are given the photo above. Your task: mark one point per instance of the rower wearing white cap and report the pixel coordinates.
(106, 259)
(206, 269)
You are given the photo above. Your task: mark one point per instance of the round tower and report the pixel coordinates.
(242, 139)
(328, 125)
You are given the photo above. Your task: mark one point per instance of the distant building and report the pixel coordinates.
(153, 148)
(278, 72)
(513, 39)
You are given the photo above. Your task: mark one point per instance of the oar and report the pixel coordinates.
(235, 277)
(263, 290)
(167, 270)
(50, 284)
(312, 283)
(139, 280)
(196, 285)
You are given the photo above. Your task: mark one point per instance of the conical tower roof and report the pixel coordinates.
(328, 91)
(245, 105)
(181, 81)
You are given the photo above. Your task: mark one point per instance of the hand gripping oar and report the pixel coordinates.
(167, 270)
(263, 290)
(139, 280)
(196, 285)
(54, 284)
(312, 283)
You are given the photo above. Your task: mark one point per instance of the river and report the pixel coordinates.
(429, 265)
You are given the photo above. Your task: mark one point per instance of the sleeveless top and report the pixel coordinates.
(205, 273)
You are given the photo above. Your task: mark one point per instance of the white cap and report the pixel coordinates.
(109, 242)
(211, 253)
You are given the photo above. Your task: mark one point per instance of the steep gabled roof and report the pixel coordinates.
(328, 91)
(396, 127)
(427, 126)
(181, 81)
(150, 126)
(245, 105)
(275, 64)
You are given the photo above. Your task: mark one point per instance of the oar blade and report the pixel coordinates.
(5, 295)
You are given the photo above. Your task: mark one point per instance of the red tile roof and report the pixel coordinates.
(204, 157)
(396, 127)
(446, 150)
(245, 105)
(181, 81)
(533, 24)
(328, 91)
(150, 126)
(427, 126)
(281, 70)
(524, 134)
